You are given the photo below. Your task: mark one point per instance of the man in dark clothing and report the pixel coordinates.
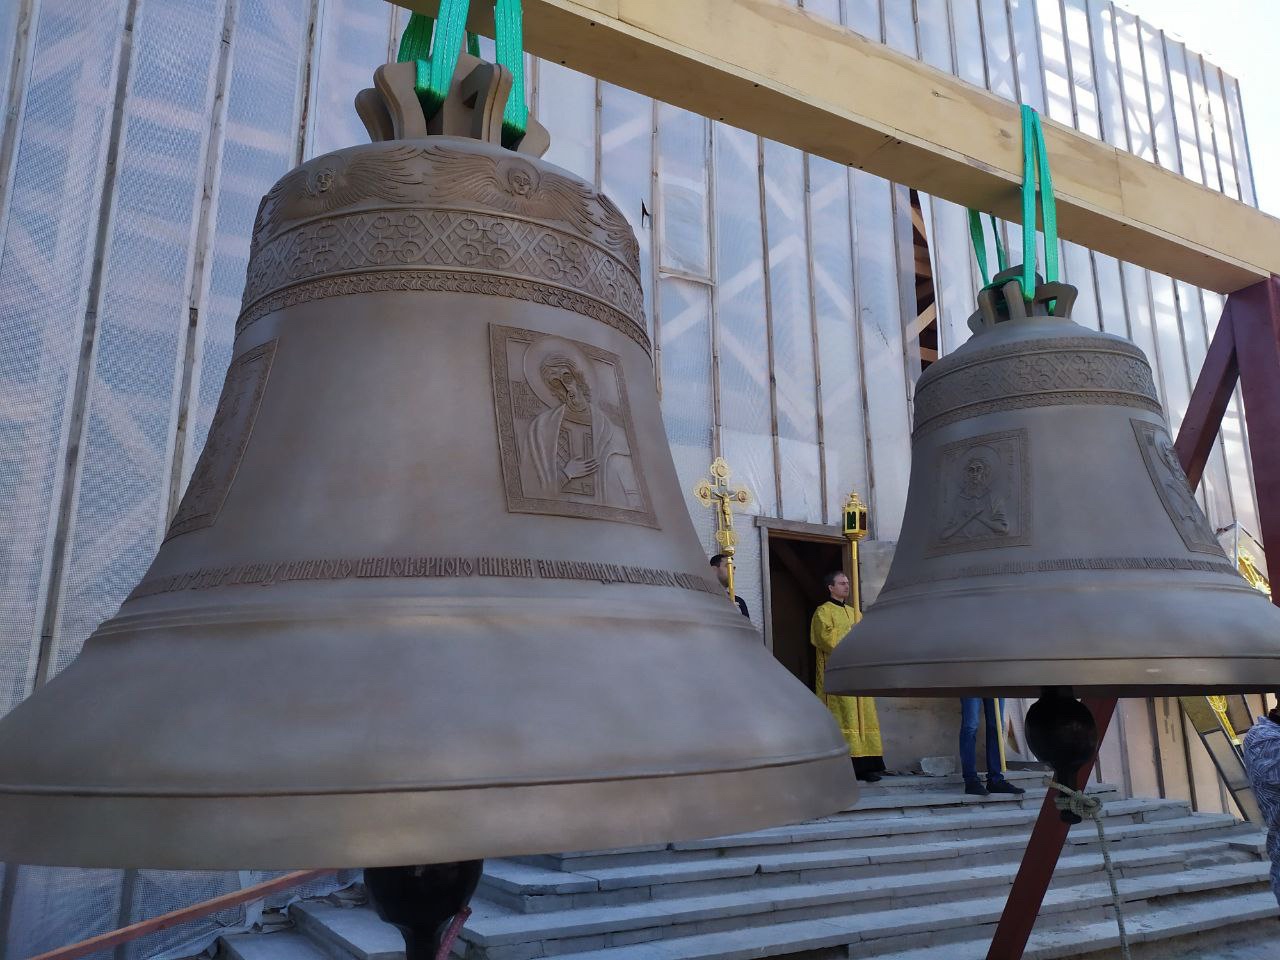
(1262, 762)
(971, 708)
(721, 564)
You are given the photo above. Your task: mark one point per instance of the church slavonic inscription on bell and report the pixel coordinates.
(228, 437)
(565, 434)
(1175, 493)
(983, 496)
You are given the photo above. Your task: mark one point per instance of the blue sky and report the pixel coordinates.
(1241, 37)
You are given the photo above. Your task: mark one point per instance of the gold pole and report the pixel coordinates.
(1004, 763)
(855, 585)
(730, 542)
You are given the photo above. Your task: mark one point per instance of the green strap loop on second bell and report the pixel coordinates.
(1035, 160)
(980, 245)
(434, 44)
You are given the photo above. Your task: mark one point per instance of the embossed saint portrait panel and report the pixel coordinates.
(983, 494)
(228, 437)
(1175, 493)
(564, 429)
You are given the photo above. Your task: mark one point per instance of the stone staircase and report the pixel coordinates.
(915, 871)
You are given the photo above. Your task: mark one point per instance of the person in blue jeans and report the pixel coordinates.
(970, 708)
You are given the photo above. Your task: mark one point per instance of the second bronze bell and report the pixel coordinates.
(1050, 536)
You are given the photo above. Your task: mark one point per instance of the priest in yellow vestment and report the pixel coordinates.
(855, 715)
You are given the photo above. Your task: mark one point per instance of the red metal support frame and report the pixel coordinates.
(1245, 347)
(1255, 313)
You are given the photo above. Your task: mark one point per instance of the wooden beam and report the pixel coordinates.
(800, 530)
(926, 316)
(788, 75)
(923, 267)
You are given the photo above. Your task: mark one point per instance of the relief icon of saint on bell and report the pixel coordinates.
(570, 437)
(1173, 490)
(573, 448)
(982, 494)
(977, 510)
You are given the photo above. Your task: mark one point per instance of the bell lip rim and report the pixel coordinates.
(1027, 677)
(686, 811)
(104, 792)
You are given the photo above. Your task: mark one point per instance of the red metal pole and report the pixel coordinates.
(1255, 314)
(1209, 400)
(1041, 857)
(1245, 347)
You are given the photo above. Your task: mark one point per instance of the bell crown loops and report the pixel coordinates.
(1002, 300)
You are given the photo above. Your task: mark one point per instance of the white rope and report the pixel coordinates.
(1087, 807)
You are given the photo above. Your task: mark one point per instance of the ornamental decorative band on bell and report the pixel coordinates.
(1050, 537)
(449, 215)
(421, 600)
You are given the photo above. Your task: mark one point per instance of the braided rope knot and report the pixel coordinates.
(1088, 807)
(1083, 805)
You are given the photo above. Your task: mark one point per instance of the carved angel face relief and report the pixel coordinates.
(518, 187)
(339, 180)
(521, 179)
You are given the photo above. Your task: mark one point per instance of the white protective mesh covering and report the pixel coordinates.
(773, 281)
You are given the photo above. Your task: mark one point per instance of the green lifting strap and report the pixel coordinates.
(1035, 159)
(980, 245)
(509, 34)
(1035, 162)
(433, 44)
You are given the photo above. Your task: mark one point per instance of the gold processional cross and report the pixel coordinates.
(717, 492)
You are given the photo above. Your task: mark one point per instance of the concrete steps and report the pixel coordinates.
(285, 945)
(771, 904)
(884, 933)
(915, 871)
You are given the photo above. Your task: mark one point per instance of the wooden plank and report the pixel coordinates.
(799, 529)
(788, 75)
(176, 918)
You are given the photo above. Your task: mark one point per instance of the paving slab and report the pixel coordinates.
(285, 945)
(354, 931)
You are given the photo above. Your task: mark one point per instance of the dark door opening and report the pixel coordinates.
(796, 570)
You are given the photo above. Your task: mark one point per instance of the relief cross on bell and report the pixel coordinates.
(717, 492)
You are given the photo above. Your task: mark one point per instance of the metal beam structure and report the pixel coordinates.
(795, 78)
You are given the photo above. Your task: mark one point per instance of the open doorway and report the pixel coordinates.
(797, 565)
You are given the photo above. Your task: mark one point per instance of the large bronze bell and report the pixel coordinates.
(433, 593)
(1050, 537)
